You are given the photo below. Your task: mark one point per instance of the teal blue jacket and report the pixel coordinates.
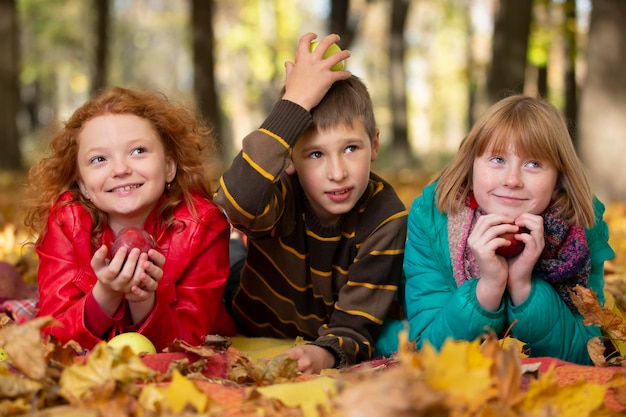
(438, 309)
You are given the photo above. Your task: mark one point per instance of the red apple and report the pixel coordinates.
(133, 237)
(515, 248)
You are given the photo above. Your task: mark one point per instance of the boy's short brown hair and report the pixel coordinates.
(345, 102)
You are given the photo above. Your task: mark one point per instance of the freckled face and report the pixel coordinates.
(122, 167)
(509, 185)
(334, 168)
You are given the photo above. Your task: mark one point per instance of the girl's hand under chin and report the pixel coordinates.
(521, 266)
(483, 241)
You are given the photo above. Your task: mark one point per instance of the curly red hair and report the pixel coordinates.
(185, 137)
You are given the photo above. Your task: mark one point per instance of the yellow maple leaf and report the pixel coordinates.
(103, 366)
(579, 399)
(182, 392)
(308, 395)
(462, 371)
(177, 396)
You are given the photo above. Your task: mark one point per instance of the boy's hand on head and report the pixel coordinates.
(309, 78)
(311, 358)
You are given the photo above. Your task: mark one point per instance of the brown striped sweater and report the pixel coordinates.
(332, 285)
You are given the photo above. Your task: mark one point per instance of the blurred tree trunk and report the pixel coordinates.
(571, 52)
(602, 121)
(340, 22)
(10, 155)
(204, 68)
(397, 74)
(101, 58)
(344, 23)
(510, 44)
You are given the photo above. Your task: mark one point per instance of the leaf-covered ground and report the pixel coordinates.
(237, 377)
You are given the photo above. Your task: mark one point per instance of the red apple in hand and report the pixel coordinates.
(133, 237)
(515, 248)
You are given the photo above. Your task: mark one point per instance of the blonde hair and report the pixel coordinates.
(534, 129)
(186, 139)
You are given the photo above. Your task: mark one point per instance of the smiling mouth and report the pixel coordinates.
(125, 188)
(340, 192)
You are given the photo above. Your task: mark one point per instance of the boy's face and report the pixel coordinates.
(334, 167)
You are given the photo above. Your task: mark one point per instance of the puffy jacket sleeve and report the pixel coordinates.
(547, 322)
(65, 277)
(436, 307)
(189, 297)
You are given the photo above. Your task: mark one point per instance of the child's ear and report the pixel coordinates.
(375, 145)
(170, 170)
(81, 187)
(290, 170)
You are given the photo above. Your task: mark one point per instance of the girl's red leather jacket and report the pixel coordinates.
(188, 302)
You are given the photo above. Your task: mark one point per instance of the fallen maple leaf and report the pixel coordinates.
(462, 371)
(580, 399)
(179, 395)
(262, 372)
(104, 365)
(596, 349)
(307, 395)
(613, 324)
(179, 345)
(23, 344)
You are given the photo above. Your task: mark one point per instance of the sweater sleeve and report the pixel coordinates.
(546, 324)
(436, 308)
(250, 192)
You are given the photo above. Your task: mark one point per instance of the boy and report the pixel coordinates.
(325, 236)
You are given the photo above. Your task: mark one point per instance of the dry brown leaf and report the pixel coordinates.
(179, 345)
(103, 366)
(14, 385)
(15, 407)
(586, 301)
(596, 349)
(23, 344)
(263, 372)
(396, 392)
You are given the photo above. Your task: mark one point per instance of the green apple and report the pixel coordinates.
(332, 49)
(3, 355)
(136, 341)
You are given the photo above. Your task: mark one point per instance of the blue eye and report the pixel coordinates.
(351, 148)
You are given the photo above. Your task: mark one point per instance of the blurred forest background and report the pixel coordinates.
(432, 66)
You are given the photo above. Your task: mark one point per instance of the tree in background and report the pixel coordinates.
(570, 31)
(602, 112)
(397, 74)
(101, 56)
(510, 46)
(10, 155)
(203, 47)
